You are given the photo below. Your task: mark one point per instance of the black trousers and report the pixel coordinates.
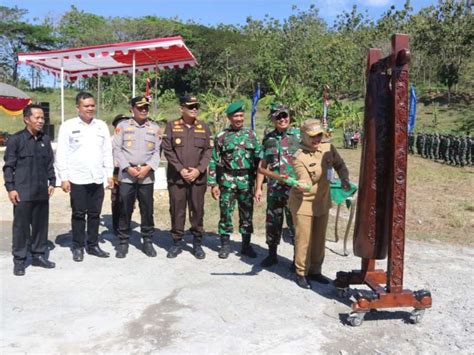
(30, 220)
(182, 196)
(115, 199)
(86, 200)
(128, 194)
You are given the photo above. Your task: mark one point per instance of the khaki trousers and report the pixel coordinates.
(310, 240)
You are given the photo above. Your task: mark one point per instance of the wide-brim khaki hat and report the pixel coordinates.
(313, 127)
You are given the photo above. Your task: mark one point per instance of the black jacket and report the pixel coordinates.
(29, 165)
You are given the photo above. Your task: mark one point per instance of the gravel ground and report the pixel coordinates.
(157, 305)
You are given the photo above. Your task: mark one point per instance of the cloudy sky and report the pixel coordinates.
(208, 12)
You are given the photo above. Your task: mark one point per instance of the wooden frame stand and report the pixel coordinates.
(380, 218)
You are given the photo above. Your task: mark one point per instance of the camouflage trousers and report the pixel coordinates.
(227, 201)
(277, 208)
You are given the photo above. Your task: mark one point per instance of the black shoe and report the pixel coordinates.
(19, 269)
(41, 261)
(78, 254)
(272, 257)
(148, 249)
(225, 247)
(96, 251)
(175, 249)
(247, 249)
(318, 278)
(122, 251)
(302, 282)
(292, 267)
(198, 252)
(269, 261)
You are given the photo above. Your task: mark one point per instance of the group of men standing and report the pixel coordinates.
(447, 148)
(233, 165)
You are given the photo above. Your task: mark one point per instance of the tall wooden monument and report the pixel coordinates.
(380, 218)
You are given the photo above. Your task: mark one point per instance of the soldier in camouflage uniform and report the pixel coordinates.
(428, 144)
(278, 149)
(451, 148)
(462, 150)
(455, 156)
(435, 148)
(448, 145)
(411, 143)
(232, 171)
(442, 146)
(470, 150)
(419, 144)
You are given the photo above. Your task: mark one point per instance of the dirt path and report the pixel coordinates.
(157, 305)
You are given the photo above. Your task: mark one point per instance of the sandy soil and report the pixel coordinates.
(157, 305)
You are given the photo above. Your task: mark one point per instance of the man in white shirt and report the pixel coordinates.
(84, 161)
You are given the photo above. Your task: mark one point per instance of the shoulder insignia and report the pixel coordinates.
(117, 130)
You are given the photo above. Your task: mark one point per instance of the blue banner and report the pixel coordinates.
(412, 109)
(256, 97)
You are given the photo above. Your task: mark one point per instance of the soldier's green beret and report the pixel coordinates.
(235, 107)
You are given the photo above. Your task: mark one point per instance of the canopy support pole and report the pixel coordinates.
(133, 75)
(155, 101)
(98, 92)
(62, 91)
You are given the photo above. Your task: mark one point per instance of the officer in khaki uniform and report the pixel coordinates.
(136, 149)
(187, 147)
(313, 165)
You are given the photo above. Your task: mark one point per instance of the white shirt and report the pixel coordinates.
(84, 152)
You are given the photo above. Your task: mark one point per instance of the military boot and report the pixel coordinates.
(175, 249)
(225, 247)
(246, 247)
(148, 248)
(272, 257)
(121, 251)
(197, 249)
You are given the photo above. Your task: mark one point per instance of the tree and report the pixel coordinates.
(18, 36)
(448, 38)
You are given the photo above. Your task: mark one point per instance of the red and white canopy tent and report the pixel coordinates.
(109, 59)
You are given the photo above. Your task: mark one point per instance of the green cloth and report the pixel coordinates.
(339, 195)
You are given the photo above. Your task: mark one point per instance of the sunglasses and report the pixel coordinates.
(192, 106)
(143, 108)
(282, 115)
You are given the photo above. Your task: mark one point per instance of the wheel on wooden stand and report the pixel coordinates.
(356, 318)
(416, 316)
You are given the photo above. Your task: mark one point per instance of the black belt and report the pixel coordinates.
(237, 172)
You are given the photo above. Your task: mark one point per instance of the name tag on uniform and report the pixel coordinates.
(78, 131)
